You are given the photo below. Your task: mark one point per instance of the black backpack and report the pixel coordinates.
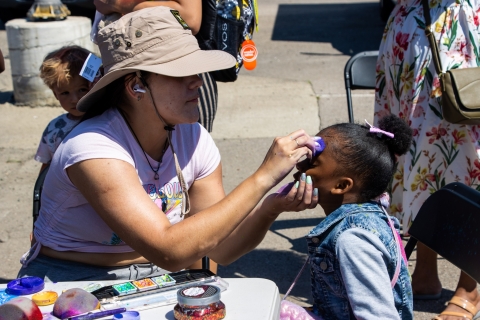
(225, 25)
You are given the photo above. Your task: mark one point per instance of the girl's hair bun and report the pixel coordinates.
(400, 143)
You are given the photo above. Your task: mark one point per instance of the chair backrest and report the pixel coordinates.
(449, 224)
(360, 73)
(37, 193)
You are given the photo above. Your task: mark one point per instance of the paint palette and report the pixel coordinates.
(164, 281)
(160, 290)
(145, 284)
(122, 289)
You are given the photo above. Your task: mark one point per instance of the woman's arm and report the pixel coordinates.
(252, 230)
(112, 188)
(115, 6)
(248, 235)
(191, 11)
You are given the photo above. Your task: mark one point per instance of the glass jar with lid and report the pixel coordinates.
(201, 302)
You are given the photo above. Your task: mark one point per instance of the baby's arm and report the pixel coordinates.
(44, 154)
(362, 258)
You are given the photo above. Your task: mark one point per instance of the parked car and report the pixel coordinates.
(386, 7)
(12, 9)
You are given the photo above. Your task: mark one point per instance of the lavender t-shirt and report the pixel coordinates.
(68, 222)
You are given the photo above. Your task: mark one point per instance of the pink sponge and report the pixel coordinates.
(74, 301)
(20, 308)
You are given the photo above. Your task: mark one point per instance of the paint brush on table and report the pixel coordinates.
(99, 314)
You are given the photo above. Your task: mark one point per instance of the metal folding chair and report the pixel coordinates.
(37, 193)
(449, 224)
(359, 74)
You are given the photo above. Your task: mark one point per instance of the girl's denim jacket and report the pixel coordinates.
(329, 295)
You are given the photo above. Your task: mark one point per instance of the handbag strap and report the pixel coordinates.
(431, 38)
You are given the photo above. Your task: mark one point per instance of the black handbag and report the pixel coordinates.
(460, 87)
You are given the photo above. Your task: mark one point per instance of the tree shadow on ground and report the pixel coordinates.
(4, 280)
(6, 96)
(434, 306)
(280, 266)
(349, 27)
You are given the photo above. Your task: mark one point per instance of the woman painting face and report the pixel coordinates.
(176, 97)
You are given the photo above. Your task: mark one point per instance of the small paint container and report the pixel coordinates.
(25, 286)
(122, 289)
(127, 315)
(45, 298)
(199, 303)
(164, 280)
(93, 286)
(145, 284)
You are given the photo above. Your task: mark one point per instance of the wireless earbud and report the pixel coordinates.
(137, 88)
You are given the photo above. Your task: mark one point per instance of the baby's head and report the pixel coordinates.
(60, 71)
(357, 165)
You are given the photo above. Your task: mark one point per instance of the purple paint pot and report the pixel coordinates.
(25, 286)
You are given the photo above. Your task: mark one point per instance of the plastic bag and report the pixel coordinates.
(292, 311)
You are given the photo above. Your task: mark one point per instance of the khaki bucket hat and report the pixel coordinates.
(156, 40)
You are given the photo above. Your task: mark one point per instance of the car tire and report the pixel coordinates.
(386, 7)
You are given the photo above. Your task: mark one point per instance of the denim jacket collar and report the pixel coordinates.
(342, 212)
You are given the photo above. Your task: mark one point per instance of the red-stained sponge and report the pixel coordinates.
(74, 301)
(20, 308)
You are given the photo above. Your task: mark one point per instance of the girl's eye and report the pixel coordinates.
(305, 165)
(64, 93)
(83, 90)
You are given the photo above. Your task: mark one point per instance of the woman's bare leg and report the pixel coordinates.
(425, 279)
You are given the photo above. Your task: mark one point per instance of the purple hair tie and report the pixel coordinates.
(378, 130)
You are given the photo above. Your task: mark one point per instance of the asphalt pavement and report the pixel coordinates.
(298, 83)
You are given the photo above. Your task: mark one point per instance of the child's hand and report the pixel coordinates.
(294, 196)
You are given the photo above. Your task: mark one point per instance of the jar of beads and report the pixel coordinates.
(200, 302)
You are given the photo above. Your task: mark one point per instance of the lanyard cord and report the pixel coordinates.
(156, 177)
(169, 129)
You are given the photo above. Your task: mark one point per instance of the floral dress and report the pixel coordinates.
(408, 86)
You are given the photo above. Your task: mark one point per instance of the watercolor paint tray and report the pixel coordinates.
(148, 297)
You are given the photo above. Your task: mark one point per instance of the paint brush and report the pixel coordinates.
(96, 315)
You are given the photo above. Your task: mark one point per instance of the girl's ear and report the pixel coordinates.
(343, 185)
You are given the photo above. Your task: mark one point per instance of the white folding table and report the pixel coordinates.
(245, 298)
